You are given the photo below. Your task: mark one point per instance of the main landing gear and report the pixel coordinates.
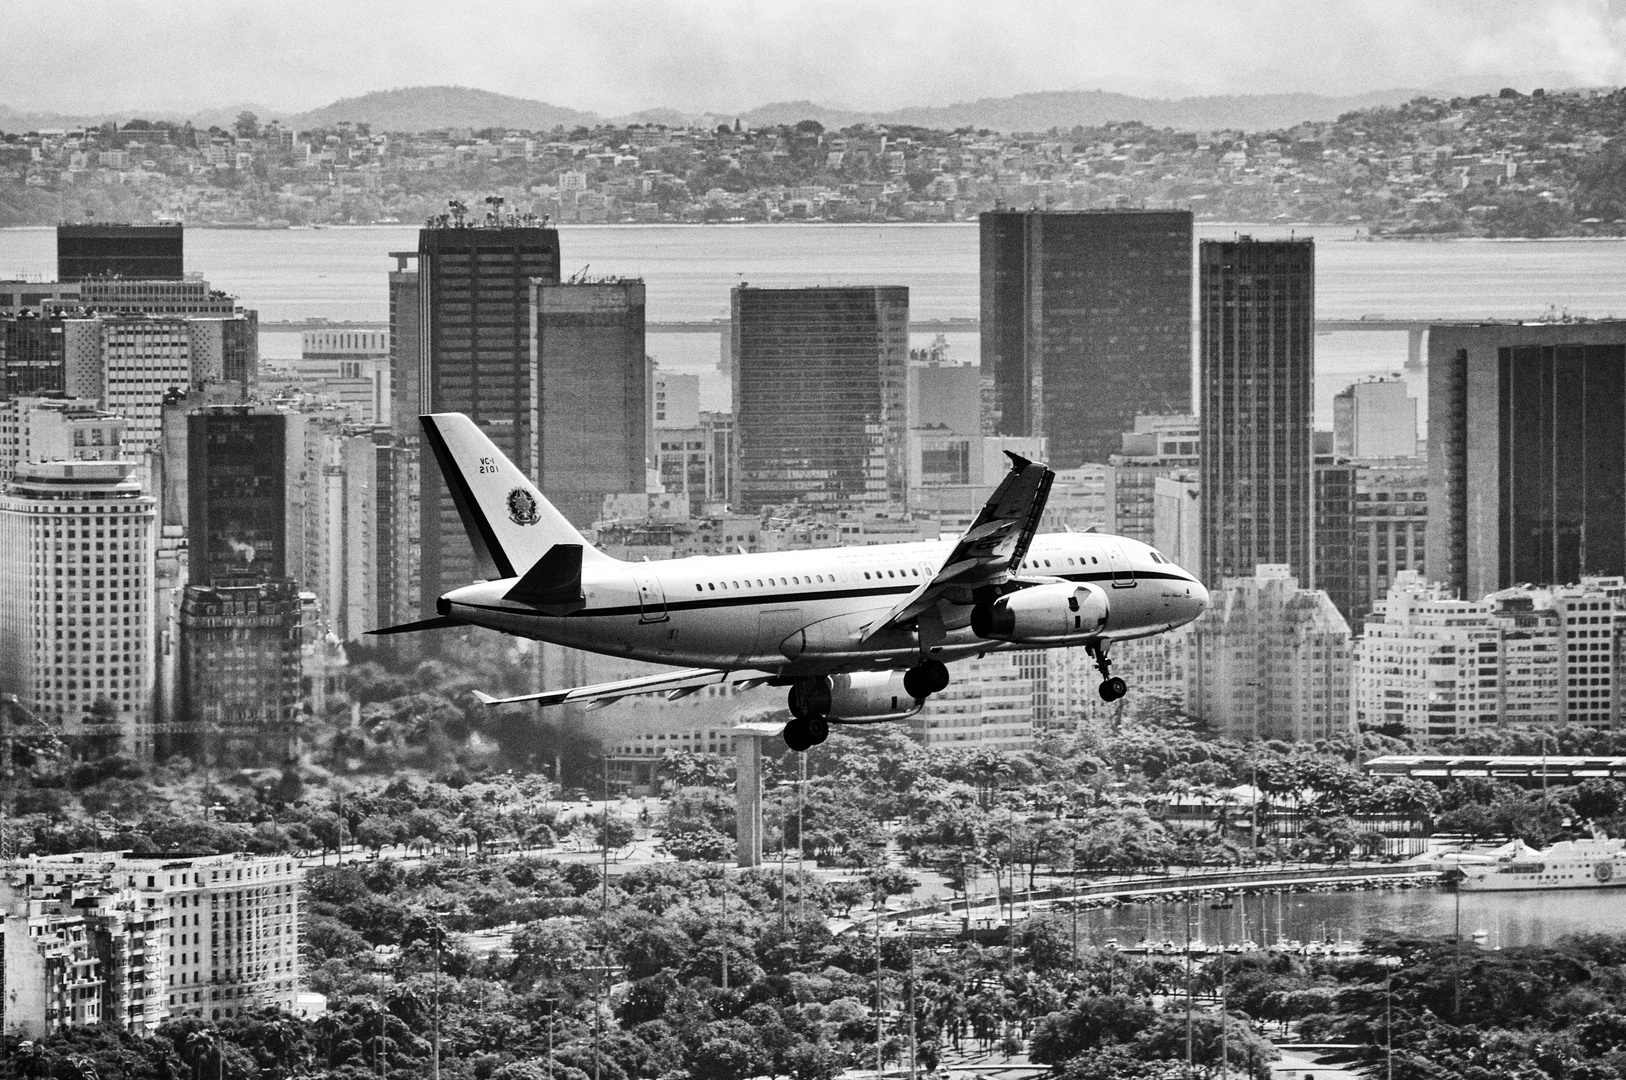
(803, 734)
(809, 711)
(1112, 687)
(926, 678)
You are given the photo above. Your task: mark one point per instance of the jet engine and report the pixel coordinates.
(862, 697)
(1043, 613)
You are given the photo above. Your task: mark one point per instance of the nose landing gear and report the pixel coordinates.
(1112, 687)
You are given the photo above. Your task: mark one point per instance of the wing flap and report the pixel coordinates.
(597, 696)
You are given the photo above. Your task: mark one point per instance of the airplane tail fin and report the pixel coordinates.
(510, 525)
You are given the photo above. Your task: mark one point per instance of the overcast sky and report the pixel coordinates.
(616, 56)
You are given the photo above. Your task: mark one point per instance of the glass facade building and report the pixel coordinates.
(592, 393)
(820, 380)
(1527, 454)
(474, 357)
(1256, 302)
(1086, 323)
(143, 252)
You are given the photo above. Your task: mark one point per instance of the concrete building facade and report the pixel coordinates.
(1526, 453)
(1433, 667)
(1270, 660)
(76, 599)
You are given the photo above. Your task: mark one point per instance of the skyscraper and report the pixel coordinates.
(243, 467)
(820, 380)
(143, 252)
(1256, 301)
(237, 687)
(474, 357)
(1526, 454)
(406, 398)
(1086, 322)
(592, 393)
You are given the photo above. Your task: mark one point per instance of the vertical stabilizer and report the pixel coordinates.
(509, 523)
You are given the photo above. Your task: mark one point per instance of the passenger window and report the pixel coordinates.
(712, 585)
(866, 575)
(699, 587)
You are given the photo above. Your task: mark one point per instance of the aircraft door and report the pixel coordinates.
(651, 598)
(1123, 571)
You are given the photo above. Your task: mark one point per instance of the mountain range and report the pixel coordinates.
(421, 108)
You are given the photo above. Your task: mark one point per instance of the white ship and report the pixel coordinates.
(1568, 864)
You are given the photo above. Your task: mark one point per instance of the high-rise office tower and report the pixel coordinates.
(243, 474)
(1256, 302)
(474, 357)
(76, 621)
(396, 491)
(1526, 454)
(820, 387)
(142, 252)
(592, 393)
(238, 680)
(405, 396)
(1086, 323)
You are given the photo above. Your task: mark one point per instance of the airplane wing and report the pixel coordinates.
(996, 543)
(673, 684)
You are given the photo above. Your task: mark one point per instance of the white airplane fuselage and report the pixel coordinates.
(807, 612)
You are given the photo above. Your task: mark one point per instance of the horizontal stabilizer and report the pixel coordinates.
(554, 583)
(439, 622)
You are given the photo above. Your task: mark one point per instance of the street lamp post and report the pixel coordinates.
(438, 929)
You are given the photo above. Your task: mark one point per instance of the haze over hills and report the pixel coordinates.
(421, 108)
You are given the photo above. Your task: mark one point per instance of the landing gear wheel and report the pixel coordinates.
(798, 737)
(1113, 689)
(817, 729)
(925, 679)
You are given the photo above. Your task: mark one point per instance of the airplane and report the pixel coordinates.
(855, 634)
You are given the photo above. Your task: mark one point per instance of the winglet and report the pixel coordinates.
(1018, 462)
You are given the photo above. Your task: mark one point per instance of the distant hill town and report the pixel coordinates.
(1505, 164)
(425, 108)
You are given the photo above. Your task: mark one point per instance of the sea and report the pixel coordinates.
(1495, 920)
(339, 273)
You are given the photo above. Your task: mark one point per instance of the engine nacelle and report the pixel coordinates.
(862, 697)
(1043, 613)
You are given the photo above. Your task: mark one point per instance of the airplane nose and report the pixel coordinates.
(1199, 598)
